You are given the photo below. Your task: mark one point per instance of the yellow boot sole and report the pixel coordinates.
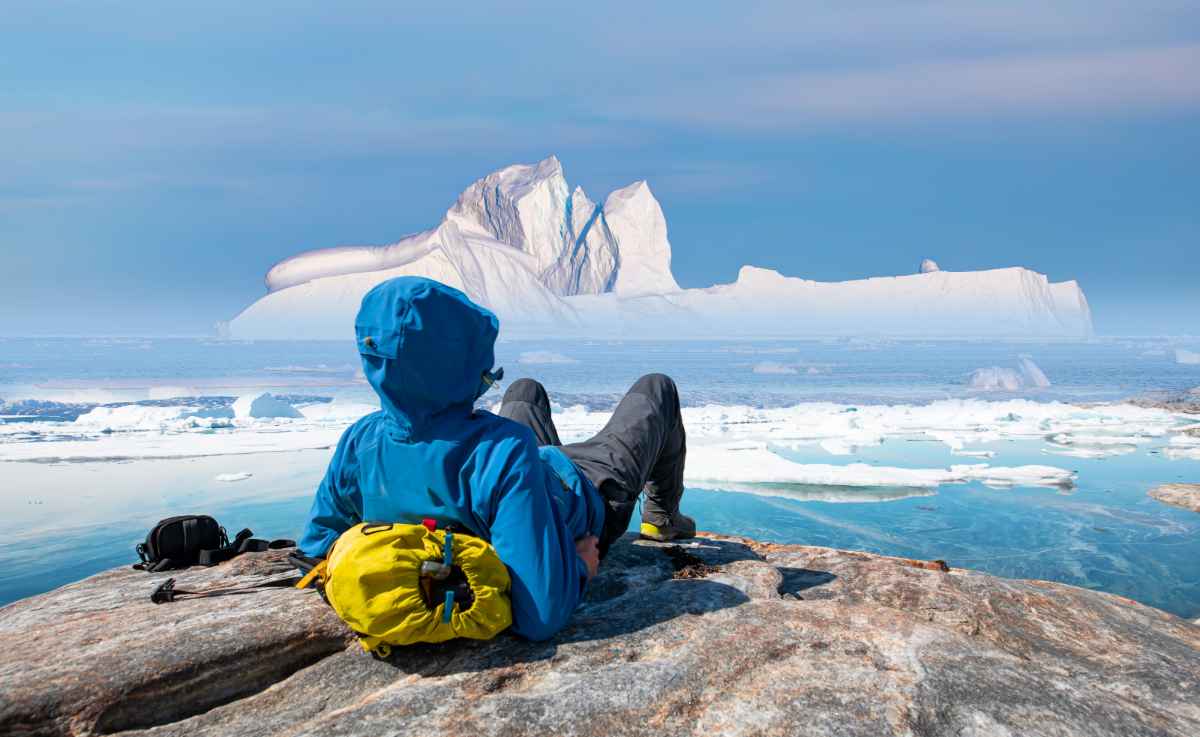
(651, 532)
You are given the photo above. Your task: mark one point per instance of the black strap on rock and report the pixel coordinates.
(225, 552)
(166, 591)
(244, 542)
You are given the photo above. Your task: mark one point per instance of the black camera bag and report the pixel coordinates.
(179, 542)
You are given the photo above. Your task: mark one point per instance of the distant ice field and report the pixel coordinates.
(1013, 457)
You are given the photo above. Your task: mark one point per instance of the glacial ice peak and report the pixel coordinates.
(929, 266)
(572, 245)
(549, 260)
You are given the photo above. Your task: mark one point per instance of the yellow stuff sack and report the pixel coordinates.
(392, 583)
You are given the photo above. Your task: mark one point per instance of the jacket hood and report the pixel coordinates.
(426, 349)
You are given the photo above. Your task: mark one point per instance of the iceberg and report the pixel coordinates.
(552, 262)
(1028, 375)
(1187, 358)
(995, 379)
(254, 406)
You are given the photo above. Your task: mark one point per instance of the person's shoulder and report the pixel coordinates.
(504, 434)
(365, 428)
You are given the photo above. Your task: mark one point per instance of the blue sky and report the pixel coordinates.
(157, 160)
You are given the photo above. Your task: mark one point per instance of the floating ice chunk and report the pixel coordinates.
(755, 463)
(537, 358)
(973, 453)
(136, 417)
(1085, 451)
(231, 477)
(262, 406)
(837, 447)
(1187, 358)
(834, 494)
(130, 417)
(774, 367)
(994, 379)
(1032, 374)
(1067, 438)
(997, 378)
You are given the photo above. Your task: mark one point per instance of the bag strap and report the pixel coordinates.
(244, 542)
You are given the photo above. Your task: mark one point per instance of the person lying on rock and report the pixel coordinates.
(550, 510)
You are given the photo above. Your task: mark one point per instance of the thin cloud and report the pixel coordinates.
(1119, 81)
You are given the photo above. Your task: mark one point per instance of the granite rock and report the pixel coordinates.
(721, 636)
(1186, 496)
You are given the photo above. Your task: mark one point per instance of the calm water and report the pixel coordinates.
(65, 521)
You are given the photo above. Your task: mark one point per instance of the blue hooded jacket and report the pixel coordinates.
(428, 352)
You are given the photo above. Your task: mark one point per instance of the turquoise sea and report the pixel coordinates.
(61, 521)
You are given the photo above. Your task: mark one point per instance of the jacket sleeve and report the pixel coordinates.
(530, 536)
(338, 504)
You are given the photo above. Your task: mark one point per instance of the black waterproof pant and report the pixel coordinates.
(641, 448)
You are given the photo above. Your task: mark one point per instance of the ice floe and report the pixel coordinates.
(730, 447)
(263, 405)
(231, 477)
(756, 463)
(144, 418)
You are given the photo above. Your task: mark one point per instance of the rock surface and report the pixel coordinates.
(724, 636)
(1178, 495)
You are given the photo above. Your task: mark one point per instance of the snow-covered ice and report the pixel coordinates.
(731, 447)
(550, 261)
(134, 417)
(756, 463)
(232, 477)
(262, 405)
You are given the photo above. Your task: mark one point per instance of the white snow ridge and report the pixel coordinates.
(551, 262)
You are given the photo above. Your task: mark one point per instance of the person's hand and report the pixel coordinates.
(588, 549)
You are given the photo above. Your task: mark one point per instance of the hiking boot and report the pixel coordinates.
(681, 527)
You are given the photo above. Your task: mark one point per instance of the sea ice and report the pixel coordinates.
(249, 406)
(231, 477)
(1187, 358)
(756, 463)
(730, 447)
(1032, 374)
(996, 378)
(142, 418)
